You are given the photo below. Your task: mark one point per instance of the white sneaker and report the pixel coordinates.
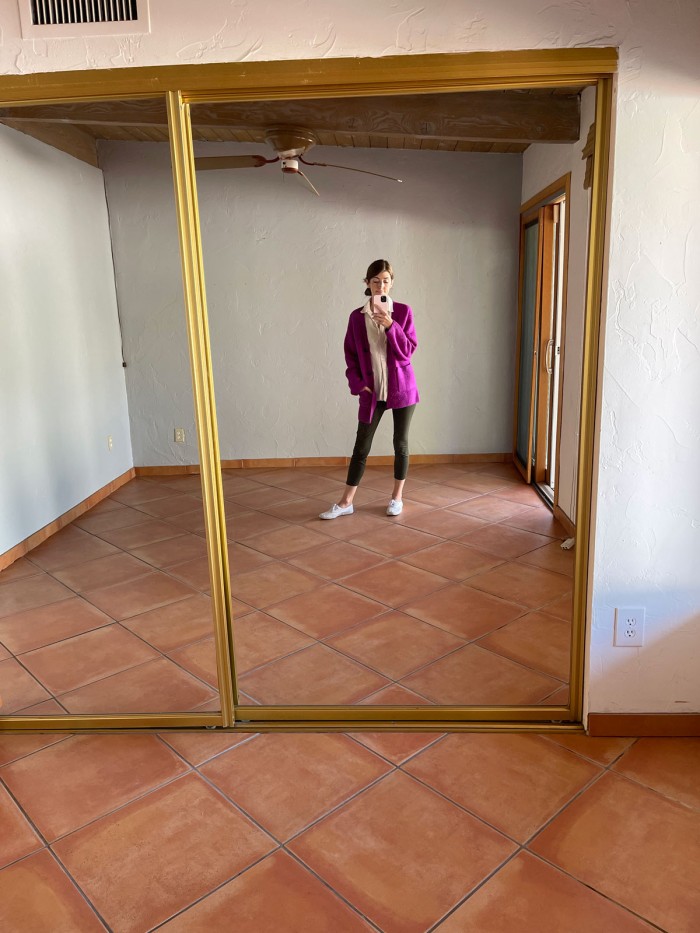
(394, 507)
(336, 511)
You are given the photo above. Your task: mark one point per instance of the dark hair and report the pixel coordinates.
(376, 268)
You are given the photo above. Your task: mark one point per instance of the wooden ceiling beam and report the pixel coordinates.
(481, 116)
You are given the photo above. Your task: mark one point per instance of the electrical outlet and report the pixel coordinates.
(629, 627)
(179, 435)
(110, 443)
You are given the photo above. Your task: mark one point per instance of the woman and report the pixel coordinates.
(379, 343)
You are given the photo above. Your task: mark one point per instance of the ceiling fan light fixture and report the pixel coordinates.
(290, 166)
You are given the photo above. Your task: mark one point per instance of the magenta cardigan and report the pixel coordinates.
(400, 344)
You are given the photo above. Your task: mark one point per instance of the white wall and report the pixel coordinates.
(283, 271)
(542, 165)
(646, 503)
(61, 380)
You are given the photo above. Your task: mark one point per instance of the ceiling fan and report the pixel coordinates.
(290, 144)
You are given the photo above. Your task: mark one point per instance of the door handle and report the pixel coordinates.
(549, 353)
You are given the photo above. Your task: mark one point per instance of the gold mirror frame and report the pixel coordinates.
(349, 77)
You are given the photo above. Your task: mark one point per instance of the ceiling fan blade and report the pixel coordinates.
(213, 163)
(307, 182)
(349, 169)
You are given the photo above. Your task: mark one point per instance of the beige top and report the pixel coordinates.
(376, 335)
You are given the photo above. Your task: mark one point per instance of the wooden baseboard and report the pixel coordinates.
(564, 521)
(662, 725)
(19, 550)
(279, 463)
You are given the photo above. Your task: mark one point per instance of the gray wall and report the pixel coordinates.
(62, 386)
(283, 271)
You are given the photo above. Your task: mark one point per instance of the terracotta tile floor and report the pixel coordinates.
(464, 598)
(402, 833)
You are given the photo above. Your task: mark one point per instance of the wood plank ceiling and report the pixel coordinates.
(479, 121)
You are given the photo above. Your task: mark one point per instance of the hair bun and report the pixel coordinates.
(368, 291)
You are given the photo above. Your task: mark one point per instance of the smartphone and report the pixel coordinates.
(378, 301)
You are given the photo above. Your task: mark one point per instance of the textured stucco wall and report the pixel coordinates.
(62, 386)
(283, 271)
(647, 497)
(542, 165)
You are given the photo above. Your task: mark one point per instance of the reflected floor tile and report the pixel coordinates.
(347, 526)
(525, 495)
(272, 583)
(401, 854)
(105, 571)
(529, 896)
(453, 560)
(199, 659)
(37, 895)
(141, 490)
(286, 542)
(489, 508)
(176, 624)
(86, 658)
(48, 624)
(91, 775)
(29, 593)
(395, 644)
(527, 585)
(259, 638)
(69, 546)
(670, 766)
(246, 524)
(503, 541)
(136, 596)
(562, 607)
(172, 551)
(173, 504)
(394, 583)
(270, 778)
(155, 687)
(274, 895)
(464, 611)
(315, 675)
(445, 523)
(118, 517)
(514, 782)
(337, 560)
(140, 535)
(551, 557)
(536, 640)
(393, 542)
(135, 870)
(474, 676)
(326, 610)
(541, 521)
(298, 510)
(17, 571)
(632, 845)
(438, 495)
(19, 689)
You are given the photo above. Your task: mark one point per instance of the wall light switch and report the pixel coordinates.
(629, 627)
(179, 435)
(110, 442)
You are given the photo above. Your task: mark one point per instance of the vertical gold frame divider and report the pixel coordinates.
(182, 155)
(583, 578)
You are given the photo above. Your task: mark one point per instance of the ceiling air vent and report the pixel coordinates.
(69, 19)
